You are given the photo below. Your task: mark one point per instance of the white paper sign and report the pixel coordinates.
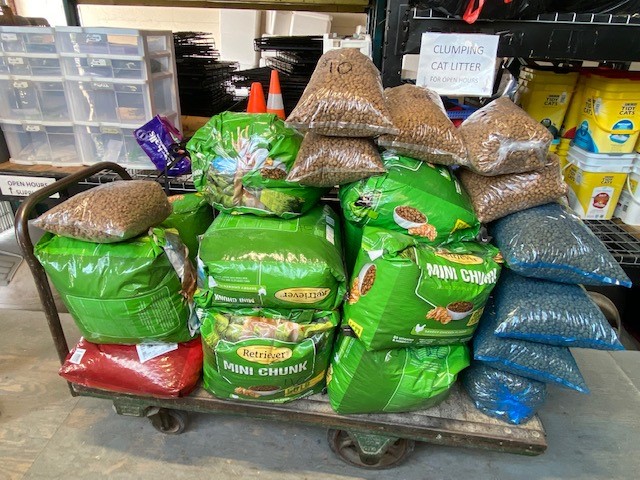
(20, 186)
(147, 351)
(458, 64)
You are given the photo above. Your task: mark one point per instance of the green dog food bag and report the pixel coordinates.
(352, 241)
(405, 293)
(416, 198)
(246, 260)
(266, 355)
(392, 381)
(191, 216)
(240, 162)
(124, 293)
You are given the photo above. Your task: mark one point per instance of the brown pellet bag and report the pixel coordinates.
(109, 213)
(425, 131)
(502, 138)
(343, 98)
(496, 197)
(330, 161)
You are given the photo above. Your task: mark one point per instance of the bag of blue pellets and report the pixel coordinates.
(552, 313)
(538, 361)
(551, 243)
(503, 395)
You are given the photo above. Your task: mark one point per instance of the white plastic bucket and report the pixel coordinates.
(628, 207)
(596, 182)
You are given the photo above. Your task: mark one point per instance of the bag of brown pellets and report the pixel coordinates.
(330, 161)
(425, 131)
(343, 98)
(496, 197)
(108, 213)
(502, 138)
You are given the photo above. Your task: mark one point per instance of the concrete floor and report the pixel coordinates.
(47, 434)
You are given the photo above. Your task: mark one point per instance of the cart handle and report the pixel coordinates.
(26, 245)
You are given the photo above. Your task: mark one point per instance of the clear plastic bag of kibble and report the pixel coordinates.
(512, 398)
(502, 138)
(550, 242)
(109, 213)
(538, 361)
(343, 98)
(329, 161)
(497, 196)
(552, 313)
(424, 130)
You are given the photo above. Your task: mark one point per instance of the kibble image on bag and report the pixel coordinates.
(420, 199)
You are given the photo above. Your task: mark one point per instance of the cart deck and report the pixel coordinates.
(454, 422)
(368, 441)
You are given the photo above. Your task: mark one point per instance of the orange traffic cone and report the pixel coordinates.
(256, 99)
(274, 102)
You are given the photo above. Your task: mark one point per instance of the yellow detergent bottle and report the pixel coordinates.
(609, 121)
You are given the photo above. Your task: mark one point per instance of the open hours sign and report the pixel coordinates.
(458, 64)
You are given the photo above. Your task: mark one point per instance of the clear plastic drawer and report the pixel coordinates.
(121, 102)
(38, 99)
(131, 68)
(33, 65)
(27, 40)
(41, 143)
(113, 41)
(110, 143)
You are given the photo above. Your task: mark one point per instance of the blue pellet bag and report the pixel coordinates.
(538, 361)
(503, 395)
(551, 243)
(552, 313)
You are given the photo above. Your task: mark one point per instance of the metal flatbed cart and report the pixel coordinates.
(369, 441)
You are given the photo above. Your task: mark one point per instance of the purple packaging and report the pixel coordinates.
(161, 142)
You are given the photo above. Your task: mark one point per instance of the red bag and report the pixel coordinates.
(135, 368)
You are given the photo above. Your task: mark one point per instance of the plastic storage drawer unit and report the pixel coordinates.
(41, 143)
(113, 41)
(116, 67)
(32, 64)
(110, 143)
(27, 40)
(38, 99)
(127, 102)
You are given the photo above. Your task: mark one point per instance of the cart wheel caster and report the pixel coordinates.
(369, 451)
(168, 421)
